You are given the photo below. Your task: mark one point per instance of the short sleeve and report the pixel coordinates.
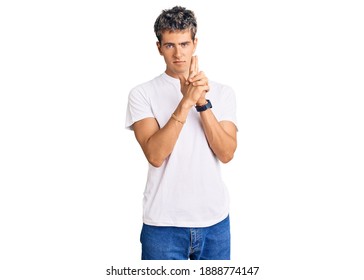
(228, 111)
(138, 108)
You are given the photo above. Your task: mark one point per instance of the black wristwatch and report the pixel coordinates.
(204, 107)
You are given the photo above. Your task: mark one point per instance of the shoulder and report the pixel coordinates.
(219, 90)
(144, 88)
(147, 84)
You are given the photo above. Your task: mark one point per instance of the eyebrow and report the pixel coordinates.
(168, 43)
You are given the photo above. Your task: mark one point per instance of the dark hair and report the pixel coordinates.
(177, 18)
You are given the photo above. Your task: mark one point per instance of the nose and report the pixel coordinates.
(177, 52)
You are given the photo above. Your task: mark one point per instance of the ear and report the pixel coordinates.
(159, 47)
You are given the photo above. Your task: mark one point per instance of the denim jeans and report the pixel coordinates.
(181, 243)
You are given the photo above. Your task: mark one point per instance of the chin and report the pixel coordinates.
(180, 71)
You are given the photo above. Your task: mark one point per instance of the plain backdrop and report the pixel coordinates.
(72, 178)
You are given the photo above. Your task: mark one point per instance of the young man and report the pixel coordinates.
(185, 125)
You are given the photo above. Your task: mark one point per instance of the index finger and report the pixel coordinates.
(193, 67)
(196, 64)
(193, 64)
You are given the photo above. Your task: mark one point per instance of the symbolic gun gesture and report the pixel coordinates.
(196, 85)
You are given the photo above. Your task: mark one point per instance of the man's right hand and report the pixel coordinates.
(194, 88)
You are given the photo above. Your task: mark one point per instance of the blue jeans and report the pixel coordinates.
(182, 243)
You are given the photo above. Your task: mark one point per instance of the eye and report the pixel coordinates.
(183, 45)
(169, 46)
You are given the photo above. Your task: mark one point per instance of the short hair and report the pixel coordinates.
(175, 19)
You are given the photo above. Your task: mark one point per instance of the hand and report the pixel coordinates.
(196, 77)
(195, 87)
(193, 68)
(193, 94)
(201, 80)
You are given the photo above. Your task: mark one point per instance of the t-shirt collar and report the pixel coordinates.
(170, 78)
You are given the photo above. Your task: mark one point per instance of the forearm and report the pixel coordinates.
(220, 141)
(160, 145)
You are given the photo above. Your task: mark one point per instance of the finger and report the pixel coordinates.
(200, 83)
(205, 88)
(183, 80)
(196, 64)
(192, 72)
(199, 76)
(200, 79)
(193, 64)
(195, 68)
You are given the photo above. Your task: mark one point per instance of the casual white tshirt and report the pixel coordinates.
(187, 190)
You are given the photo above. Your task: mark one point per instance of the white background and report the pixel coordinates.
(72, 177)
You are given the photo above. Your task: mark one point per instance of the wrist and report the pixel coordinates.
(203, 108)
(186, 104)
(201, 102)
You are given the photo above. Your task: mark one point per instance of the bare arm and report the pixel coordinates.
(221, 136)
(158, 143)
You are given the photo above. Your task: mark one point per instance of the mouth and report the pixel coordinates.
(178, 62)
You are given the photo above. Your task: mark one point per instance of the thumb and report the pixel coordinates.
(183, 80)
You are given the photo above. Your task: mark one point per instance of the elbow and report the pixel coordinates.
(155, 162)
(226, 158)
(227, 155)
(155, 158)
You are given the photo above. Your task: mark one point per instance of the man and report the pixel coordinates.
(185, 125)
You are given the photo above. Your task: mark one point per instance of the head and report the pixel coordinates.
(175, 19)
(176, 30)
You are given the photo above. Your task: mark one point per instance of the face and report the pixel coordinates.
(177, 48)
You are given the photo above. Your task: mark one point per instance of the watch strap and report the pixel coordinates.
(202, 108)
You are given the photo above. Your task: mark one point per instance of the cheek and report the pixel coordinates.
(167, 59)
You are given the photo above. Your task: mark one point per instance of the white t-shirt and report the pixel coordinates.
(187, 190)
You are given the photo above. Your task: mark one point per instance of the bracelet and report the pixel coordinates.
(176, 119)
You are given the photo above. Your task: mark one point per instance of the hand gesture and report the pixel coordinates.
(195, 87)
